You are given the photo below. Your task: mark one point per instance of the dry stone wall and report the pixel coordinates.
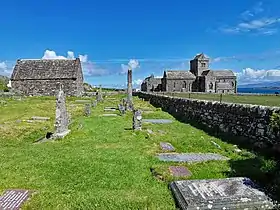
(250, 121)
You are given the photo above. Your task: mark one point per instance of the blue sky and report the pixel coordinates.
(239, 35)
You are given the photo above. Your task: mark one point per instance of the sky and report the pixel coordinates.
(106, 35)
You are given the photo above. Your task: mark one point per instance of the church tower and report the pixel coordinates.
(199, 64)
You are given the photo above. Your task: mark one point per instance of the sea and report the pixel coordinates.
(258, 90)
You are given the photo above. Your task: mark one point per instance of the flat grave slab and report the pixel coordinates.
(13, 199)
(109, 115)
(157, 121)
(83, 101)
(190, 157)
(110, 109)
(179, 171)
(165, 146)
(40, 118)
(229, 193)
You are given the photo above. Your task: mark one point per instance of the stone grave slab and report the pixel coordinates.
(179, 171)
(110, 109)
(229, 193)
(109, 115)
(165, 146)
(157, 121)
(190, 157)
(83, 101)
(13, 199)
(40, 118)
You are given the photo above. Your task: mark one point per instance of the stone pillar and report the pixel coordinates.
(61, 116)
(87, 110)
(129, 85)
(137, 120)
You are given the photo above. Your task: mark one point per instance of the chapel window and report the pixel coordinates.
(211, 86)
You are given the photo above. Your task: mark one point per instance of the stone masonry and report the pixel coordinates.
(243, 120)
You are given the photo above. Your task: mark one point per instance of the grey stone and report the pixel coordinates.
(137, 120)
(13, 199)
(40, 118)
(165, 146)
(157, 121)
(61, 116)
(150, 131)
(121, 109)
(129, 86)
(99, 96)
(229, 193)
(190, 157)
(94, 103)
(83, 101)
(87, 111)
(109, 115)
(110, 109)
(179, 171)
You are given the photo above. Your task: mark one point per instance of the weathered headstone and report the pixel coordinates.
(190, 157)
(229, 193)
(112, 109)
(179, 171)
(137, 120)
(61, 116)
(87, 110)
(165, 146)
(109, 115)
(121, 109)
(99, 96)
(157, 121)
(94, 103)
(13, 199)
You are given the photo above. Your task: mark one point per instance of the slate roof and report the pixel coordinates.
(218, 73)
(179, 75)
(46, 69)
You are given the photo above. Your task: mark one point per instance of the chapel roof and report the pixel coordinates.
(28, 69)
(218, 73)
(176, 74)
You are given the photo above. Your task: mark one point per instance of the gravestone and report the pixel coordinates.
(111, 109)
(165, 146)
(83, 101)
(94, 103)
(13, 199)
(40, 118)
(109, 115)
(87, 110)
(179, 171)
(157, 121)
(121, 109)
(99, 96)
(190, 157)
(61, 116)
(229, 193)
(137, 120)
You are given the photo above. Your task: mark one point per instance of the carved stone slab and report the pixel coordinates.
(109, 115)
(40, 118)
(179, 171)
(158, 121)
(110, 109)
(230, 193)
(190, 157)
(13, 199)
(165, 146)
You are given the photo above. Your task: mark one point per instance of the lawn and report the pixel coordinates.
(102, 163)
(266, 100)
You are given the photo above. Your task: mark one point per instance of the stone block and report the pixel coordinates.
(157, 121)
(190, 157)
(13, 199)
(179, 171)
(165, 146)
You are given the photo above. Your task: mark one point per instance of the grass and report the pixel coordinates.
(102, 163)
(266, 100)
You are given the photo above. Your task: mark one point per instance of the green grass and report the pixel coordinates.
(266, 100)
(102, 163)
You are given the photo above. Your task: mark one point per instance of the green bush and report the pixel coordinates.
(275, 120)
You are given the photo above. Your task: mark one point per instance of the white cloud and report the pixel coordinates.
(137, 82)
(5, 69)
(70, 55)
(249, 75)
(3, 66)
(256, 9)
(133, 64)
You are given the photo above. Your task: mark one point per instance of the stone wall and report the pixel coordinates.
(47, 87)
(242, 120)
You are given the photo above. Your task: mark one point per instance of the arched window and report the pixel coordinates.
(211, 86)
(174, 84)
(232, 83)
(184, 84)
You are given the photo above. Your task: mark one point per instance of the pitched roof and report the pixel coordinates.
(218, 73)
(179, 75)
(200, 56)
(46, 69)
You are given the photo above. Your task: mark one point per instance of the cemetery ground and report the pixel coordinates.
(103, 163)
(265, 100)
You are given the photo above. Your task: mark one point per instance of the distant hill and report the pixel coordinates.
(3, 83)
(269, 85)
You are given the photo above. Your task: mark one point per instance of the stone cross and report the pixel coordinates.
(137, 120)
(87, 110)
(129, 104)
(61, 116)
